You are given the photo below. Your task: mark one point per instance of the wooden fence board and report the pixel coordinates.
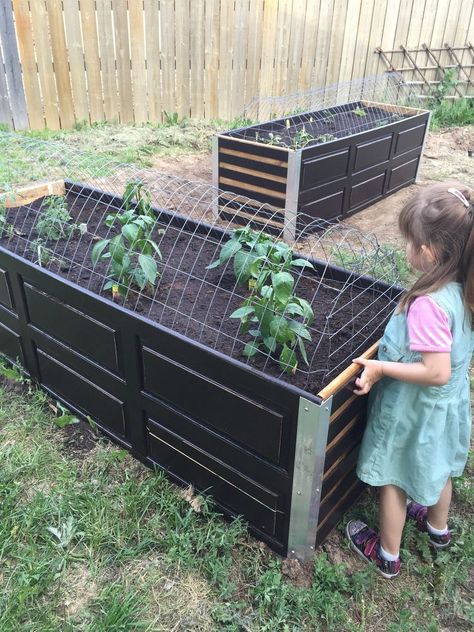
(72, 22)
(375, 36)
(39, 22)
(350, 39)
(167, 19)
(335, 49)
(197, 58)
(280, 77)
(363, 46)
(105, 30)
(295, 53)
(60, 59)
(324, 39)
(310, 41)
(239, 56)
(211, 58)
(254, 50)
(5, 111)
(270, 16)
(123, 60)
(137, 49)
(92, 60)
(153, 63)
(182, 23)
(225, 60)
(16, 94)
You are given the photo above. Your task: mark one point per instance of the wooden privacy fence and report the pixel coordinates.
(132, 61)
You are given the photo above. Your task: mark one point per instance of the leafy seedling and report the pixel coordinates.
(359, 112)
(55, 220)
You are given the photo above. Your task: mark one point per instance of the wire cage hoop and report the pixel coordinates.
(300, 309)
(319, 115)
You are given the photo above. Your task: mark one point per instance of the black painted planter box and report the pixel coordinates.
(281, 457)
(329, 180)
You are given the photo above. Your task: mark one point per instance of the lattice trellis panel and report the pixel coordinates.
(424, 68)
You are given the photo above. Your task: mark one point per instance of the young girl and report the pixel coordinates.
(419, 417)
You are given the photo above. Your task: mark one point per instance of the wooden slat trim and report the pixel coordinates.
(348, 374)
(239, 199)
(254, 143)
(252, 172)
(342, 408)
(252, 187)
(394, 108)
(242, 154)
(27, 195)
(255, 218)
(338, 504)
(337, 462)
(350, 424)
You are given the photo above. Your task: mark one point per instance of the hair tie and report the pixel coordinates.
(460, 196)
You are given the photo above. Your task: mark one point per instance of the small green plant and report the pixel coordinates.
(131, 251)
(255, 256)
(42, 255)
(447, 83)
(301, 138)
(359, 112)
(276, 319)
(172, 118)
(54, 222)
(271, 139)
(325, 138)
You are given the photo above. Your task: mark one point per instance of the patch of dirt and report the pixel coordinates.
(299, 574)
(12, 386)
(79, 438)
(194, 167)
(79, 589)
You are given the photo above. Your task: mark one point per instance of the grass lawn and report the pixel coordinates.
(91, 540)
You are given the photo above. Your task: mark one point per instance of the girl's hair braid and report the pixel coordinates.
(441, 217)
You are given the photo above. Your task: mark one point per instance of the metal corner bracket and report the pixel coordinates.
(310, 452)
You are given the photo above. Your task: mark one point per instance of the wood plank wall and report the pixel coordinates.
(134, 60)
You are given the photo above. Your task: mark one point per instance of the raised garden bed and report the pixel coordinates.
(326, 164)
(278, 449)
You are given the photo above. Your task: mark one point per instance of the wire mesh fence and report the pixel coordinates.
(320, 115)
(153, 243)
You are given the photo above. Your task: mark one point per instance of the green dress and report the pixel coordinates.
(418, 436)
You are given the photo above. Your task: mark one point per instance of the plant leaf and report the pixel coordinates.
(300, 330)
(130, 232)
(302, 263)
(148, 265)
(241, 312)
(98, 249)
(251, 349)
(283, 284)
(242, 265)
(288, 360)
(65, 420)
(270, 343)
(229, 249)
(303, 350)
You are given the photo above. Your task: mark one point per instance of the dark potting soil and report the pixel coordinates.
(197, 302)
(321, 126)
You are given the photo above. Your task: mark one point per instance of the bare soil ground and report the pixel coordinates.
(445, 157)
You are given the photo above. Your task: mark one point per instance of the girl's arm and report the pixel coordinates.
(433, 370)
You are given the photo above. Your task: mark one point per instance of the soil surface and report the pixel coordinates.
(198, 302)
(309, 129)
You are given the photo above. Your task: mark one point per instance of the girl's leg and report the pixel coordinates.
(392, 516)
(438, 514)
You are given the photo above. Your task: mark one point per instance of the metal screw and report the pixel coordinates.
(327, 408)
(306, 408)
(299, 493)
(317, 489)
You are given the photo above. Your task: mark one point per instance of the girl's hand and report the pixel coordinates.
(372, 373)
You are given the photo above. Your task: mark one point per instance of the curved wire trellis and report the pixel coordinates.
(351, 288)
(320, 115)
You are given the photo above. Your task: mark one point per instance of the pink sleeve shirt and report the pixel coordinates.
(428, 327)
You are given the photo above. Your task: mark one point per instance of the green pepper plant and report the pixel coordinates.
(277, 320)
(131, 252)
(256, 255)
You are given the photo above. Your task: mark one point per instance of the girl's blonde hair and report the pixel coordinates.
(441, 217)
